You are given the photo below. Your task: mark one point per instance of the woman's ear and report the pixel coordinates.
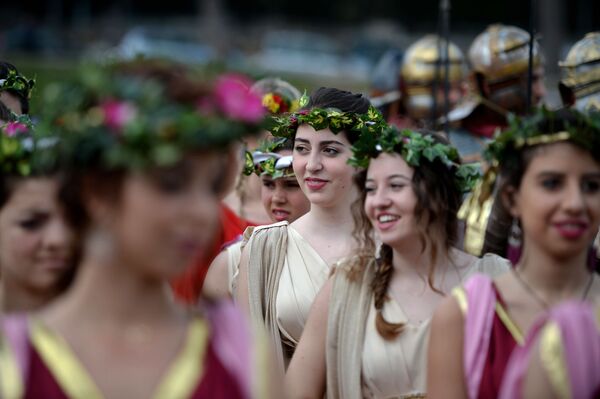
(510, 200)
(100, 195)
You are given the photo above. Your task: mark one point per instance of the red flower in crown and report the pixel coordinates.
(14, 128)
(117, 113)
(236, 101)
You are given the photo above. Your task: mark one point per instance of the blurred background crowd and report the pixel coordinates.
(309, 43)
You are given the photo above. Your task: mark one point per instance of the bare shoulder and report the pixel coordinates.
(216, 284)
(447, 314)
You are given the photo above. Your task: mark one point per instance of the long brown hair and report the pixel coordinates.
(438, 200)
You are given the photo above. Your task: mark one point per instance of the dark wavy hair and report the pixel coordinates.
(438, 201)
(345, 101)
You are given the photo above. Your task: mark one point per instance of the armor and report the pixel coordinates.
(502, 52)
(500, 55)
(580, 84)
(422, 67)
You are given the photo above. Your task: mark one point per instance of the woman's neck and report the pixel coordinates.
(14, 299)
(329, 220)
(556, 278)
(110, 291)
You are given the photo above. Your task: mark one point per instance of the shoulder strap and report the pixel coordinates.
(14, 355)
(479, 316)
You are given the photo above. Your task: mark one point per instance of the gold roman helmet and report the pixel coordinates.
(502, 52)
(580, 84)
(422, 66)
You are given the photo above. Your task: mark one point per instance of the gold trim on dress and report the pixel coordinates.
(11, 380)
(184, 375)
(510, 325)
(179, 382)
(553, 360)
(461, 297)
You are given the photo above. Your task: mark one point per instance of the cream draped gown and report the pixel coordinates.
(285, 273)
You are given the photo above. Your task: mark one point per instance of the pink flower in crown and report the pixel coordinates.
(236, 101)
(118, 113)
(14, 128)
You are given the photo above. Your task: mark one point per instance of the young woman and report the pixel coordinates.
(282, 198)
(549, 185)
(37, 245)
(145, 180)
(283, 266)
(370, 323)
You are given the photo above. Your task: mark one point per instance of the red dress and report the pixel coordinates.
(220, 358)
(188, 287)
(502, 343)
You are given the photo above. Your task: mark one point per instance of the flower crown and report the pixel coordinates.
(17, 144)
(123, 121)
(18, 83)
(521, 133)
(414, 148)
(320, 118)
(266, 162)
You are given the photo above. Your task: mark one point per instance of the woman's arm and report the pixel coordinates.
(445, 374)
(241, 293)
(306, 374)
(216, 284)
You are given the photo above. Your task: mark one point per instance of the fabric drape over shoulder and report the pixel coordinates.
(284, 276)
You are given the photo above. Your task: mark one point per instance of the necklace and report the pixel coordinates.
(544, 304)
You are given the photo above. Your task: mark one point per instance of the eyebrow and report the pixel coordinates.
(593, 175)
(393, 177)
(322, 143)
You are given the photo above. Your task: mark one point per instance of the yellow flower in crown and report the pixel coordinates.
(270, 103)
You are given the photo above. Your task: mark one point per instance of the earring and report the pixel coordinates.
(515, 242)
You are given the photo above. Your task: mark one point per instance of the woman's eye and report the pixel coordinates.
(300, 149)
(268, 184)
(171, 182)
(591, 186)
(31, 224)
(292, 184)
(331, 151)
(369, 189)
(397, 186)
(551, 183)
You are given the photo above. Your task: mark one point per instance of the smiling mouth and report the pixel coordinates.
(280, 214)
(315, 184)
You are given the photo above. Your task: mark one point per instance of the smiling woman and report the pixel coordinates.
(37, 245)
(549, 185)
(366, 335)
(283, 266)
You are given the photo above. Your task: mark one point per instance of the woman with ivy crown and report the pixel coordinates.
(367, 332)
(284, 265)
(282, 198)
(142, 188)
(37, 244)
(545, 176)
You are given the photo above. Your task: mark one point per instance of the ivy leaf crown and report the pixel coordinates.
(286, 125)
(17, 82)
(583, 130)
(415, 148)
(119, 120)
(266, 162)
